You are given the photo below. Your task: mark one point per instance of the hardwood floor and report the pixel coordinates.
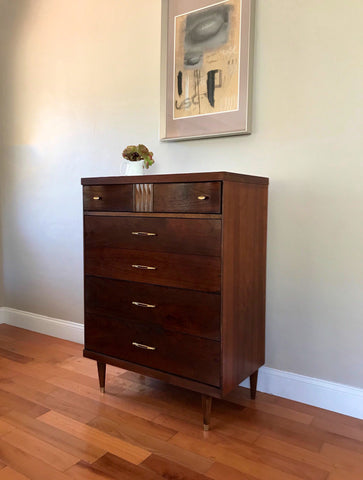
(56, 425)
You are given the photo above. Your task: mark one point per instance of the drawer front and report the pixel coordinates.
(178, 235)
(114, 198)
(184, 355)
(174, 309)
(203, 197)
(193, 272)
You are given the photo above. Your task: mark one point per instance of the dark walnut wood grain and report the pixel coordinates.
(175, 278)
(177, 178)
(244, 267)
(184, 311)
(195, 272)
(101, 367)
(110, 197)
(165, 376)
(187, 197)
(150, 345)
(174, 235)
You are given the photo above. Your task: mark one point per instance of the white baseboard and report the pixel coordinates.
(312, 391)
(40, 323)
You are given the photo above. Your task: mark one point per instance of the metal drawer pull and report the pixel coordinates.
(97, 198)
(143, 267)
(145, 347)
(144, 234)
(203, 197)
(145, 305)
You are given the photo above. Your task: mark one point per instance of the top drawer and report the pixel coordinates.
(114, 198)
(193, 197)
(203, 197)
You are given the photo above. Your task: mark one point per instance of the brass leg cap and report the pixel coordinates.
(206, 427)
(102, 389)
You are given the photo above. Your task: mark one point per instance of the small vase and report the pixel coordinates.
(133, 168)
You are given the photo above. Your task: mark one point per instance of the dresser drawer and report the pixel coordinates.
(184, 355)
(179, 235)
(114, 198)
(203, 197)
(194, 272)
(184, 311)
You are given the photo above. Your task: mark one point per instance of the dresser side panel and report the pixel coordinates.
(243, 281)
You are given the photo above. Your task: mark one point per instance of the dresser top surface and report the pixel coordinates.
(176, 178)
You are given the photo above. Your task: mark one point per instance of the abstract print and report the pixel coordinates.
(207, 60)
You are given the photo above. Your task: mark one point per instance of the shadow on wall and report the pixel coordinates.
(12, 17)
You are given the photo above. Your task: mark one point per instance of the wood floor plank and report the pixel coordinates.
(132, 413)
(44, 371)
(25, 381)
(179, 402)
(276, 460)
(85, 471)
(8, 473)
(219, 471)
(343, 458)
(86, 367)
(120, 448)
(29, 351)
(59, 372)
(226, 456)
(280, 428)
(15, 357)
(339, 428)
(190, 428)
(5, 427)
(34, 339)
(170, 470)
(135, 405)
(266, 405)
(17, 402)
(165, 449)
(341, 474)
(58, 438)
(40, 370)
(57, 458)
(28, 465)
(117, 468)
(53, 415)
(295, 452)
(55, 400)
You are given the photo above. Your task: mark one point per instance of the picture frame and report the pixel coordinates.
(206, 68)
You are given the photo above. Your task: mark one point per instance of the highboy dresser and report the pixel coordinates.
(174, 284)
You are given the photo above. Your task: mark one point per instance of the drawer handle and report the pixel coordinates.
(145, 305)
(97, 198)
(145, 347)
(203, 197)
(143, 267)
(144, 234)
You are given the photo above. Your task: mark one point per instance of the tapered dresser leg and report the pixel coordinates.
(207, 408)
(101, 367)
(253, 384)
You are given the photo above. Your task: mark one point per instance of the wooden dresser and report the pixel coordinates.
(174, 285)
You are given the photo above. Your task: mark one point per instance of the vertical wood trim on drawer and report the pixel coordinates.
(143, 197)
(243, 281)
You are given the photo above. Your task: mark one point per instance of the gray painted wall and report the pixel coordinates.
(82, 82)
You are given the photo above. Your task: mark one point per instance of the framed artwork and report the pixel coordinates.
(206, 68)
